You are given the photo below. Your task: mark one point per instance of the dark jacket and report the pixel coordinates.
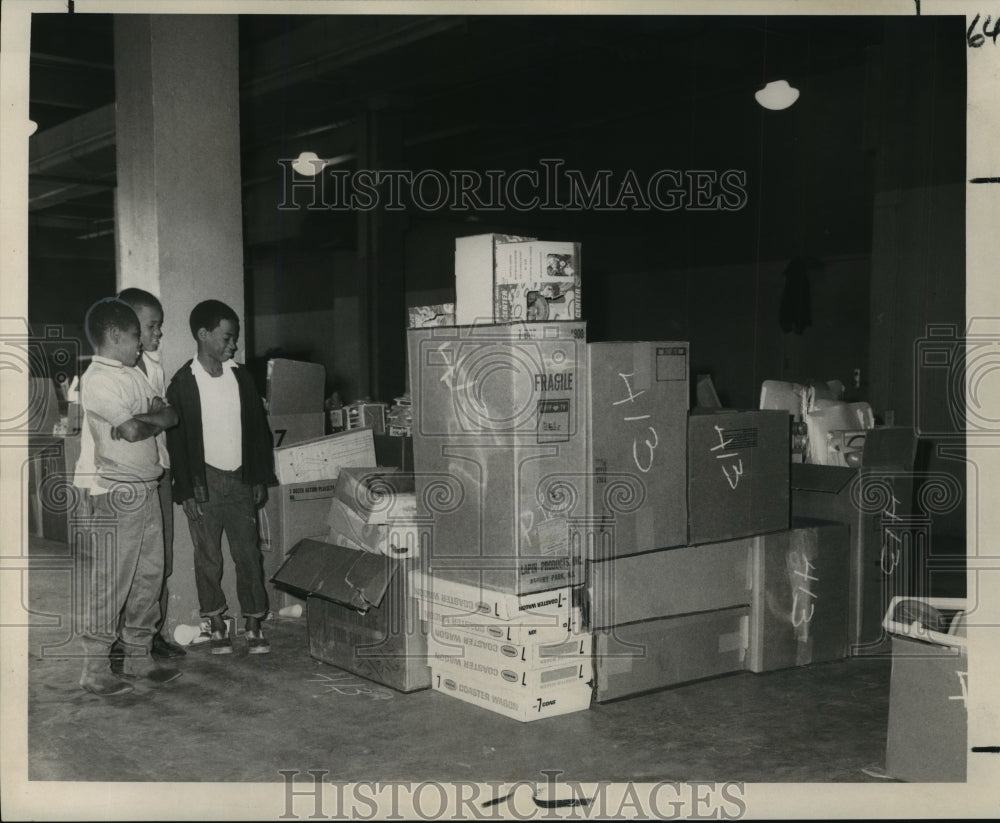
(185, 441)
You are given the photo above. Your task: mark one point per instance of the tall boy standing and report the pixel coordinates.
(126, 574)
(220, 453)
(149, 310)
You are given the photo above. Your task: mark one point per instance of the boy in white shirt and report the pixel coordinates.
(125, 574)
(221, 456)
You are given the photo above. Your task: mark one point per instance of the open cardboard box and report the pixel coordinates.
(360, 611)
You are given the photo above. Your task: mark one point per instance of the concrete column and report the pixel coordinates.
(180, 229)
(179, 205)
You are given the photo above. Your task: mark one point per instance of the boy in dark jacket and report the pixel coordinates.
(221, 459)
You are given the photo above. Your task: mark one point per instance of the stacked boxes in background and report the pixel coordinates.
(501, 278)
(500, 451)
(523, 656)
(298, 507)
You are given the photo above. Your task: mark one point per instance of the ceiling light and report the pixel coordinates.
(777, 95)
(309, 164)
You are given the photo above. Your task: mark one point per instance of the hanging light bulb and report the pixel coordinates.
(309, 164)
(777, 95)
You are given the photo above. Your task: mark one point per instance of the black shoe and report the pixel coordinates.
(117, 658)
(163, 649)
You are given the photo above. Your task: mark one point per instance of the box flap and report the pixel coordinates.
(375, 495)
(294, 386)
(347, 576)
(813, 478)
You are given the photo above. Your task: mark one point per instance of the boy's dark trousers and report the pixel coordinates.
(230, 507)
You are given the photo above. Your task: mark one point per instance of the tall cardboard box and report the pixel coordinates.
(360, 612)
(500, 451)
(653, 654)
(669, 582)
(501, 278)
(638, 417)
(801, 581)
(294, 396)
(738, 470)
(875, 502)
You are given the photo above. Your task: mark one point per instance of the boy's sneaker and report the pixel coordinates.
(221, 641)
(257, 643)
(136, 666)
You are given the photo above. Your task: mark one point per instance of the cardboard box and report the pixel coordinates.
(403, 537)
(439, 314)
(360, 614)
(291, 514)
(295, 387)
(524, 705)
(323, 457)
(927, 735)
(801, 581)
(377, 496)
(738, 465)
(669, 582)
(639, 397)
(500, 451)
(501, 278)
(443, 621)
(875, 501)
(513, 674)
(493, 651)
(548, 608)
(640, 657)
(288, 429)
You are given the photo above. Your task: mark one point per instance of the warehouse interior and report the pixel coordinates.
(862, 181)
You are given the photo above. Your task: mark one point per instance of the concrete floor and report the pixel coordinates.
(240, 718)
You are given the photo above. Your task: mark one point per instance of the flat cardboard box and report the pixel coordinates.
(927, 737)
(457, 642)
(834, 493)
(801, 581)
(641, 657)
(295, 387)
(323, 457)
(503, 278)
(738, 470)
(524, 705)
(292, 512)
(360, 614)
(550, 607)
(377, 496)
(500, 451)
(669, 582)
(443, 622)
(511, 674)
(639, 398)
(288, 429)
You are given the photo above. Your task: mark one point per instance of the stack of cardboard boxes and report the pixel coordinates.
(546, 464)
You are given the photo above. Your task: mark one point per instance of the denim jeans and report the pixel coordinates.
(229, 508)
(123, 569)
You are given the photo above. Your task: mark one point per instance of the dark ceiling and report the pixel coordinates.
(470, 92)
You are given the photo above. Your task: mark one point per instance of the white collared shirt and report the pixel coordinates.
(221, 423)
(157, 380)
